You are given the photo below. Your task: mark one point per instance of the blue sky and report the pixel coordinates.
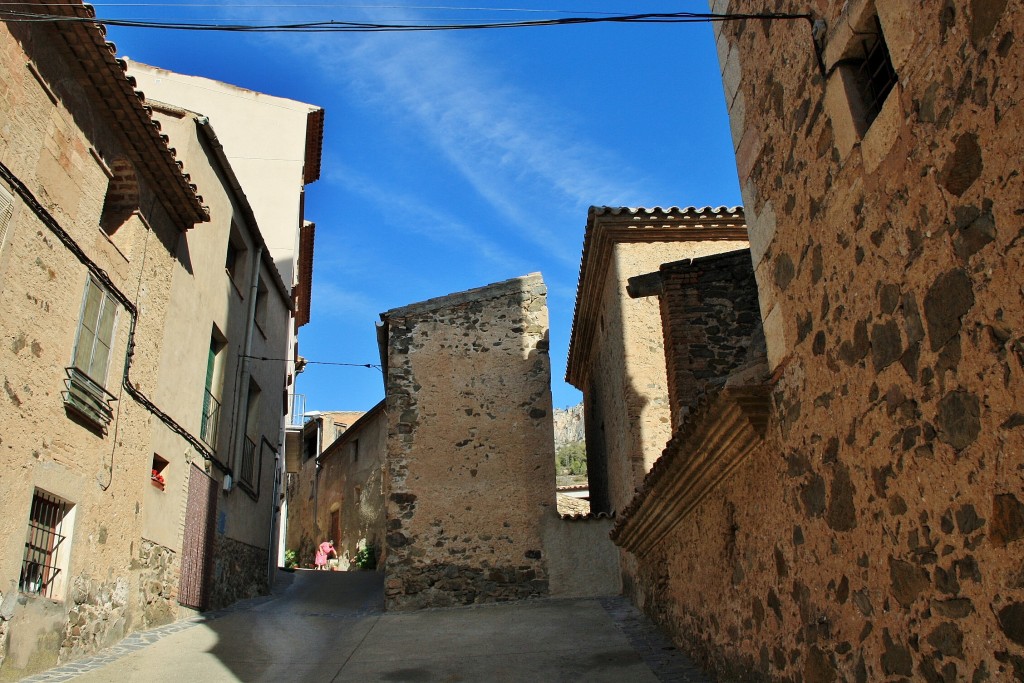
(456, 159)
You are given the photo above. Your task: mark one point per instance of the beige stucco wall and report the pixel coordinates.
(246, 119)
(582, 562)
(470, 469)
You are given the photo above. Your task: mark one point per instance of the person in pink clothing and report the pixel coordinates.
(326, 548)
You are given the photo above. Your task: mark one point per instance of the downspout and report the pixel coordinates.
(275, 513)
(242, 388)
(316, 479)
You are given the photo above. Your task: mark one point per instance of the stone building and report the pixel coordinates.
(874, 530)
(335, 485)
(470, 475)
(616, 350)
(128, 499)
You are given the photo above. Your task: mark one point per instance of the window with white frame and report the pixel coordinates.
(86, 378)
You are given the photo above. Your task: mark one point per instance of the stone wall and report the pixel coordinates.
(240, 571)
(711, 323)
(877, 534)
(616, 354)
(582, 562)
(470, 465)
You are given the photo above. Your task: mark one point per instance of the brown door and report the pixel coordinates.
(197, 545)
(336, 527)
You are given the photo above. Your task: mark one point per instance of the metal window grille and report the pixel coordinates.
(875, 74)
(43, 544)
(6, 211)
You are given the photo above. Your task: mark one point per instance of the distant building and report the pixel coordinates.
(334, 483)
(616, 350)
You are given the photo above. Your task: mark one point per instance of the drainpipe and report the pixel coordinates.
(316, 479)
(275, 513)
(242, 387)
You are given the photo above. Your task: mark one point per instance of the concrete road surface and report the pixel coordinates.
(329, 626)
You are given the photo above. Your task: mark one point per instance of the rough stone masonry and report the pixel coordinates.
(470, 467)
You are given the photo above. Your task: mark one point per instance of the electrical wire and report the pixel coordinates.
(316, 362)
(334, 26)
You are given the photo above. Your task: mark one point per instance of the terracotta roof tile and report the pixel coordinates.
(106, 74)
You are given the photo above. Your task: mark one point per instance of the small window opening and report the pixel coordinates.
(261, 305)
(234, 259)
(157, 475)
(355, 450)
(122, 199)
(875, 74)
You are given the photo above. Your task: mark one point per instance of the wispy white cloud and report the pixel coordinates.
(517, 153)
(333, 301)
(421, 218)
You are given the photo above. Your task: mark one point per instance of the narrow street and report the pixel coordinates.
(331, 627)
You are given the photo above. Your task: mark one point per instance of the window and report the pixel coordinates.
(6, 211)
(261, 305)
(95, 332)
(87, 376)
(211, 396)
(122, 199)
(867, 66)
(234, 260)
(875, 74)
(157, 476)
(355, 450)
(247, 463)
(47, 546)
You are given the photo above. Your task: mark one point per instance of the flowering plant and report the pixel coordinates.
(157, 477)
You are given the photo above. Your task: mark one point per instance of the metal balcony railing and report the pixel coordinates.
(211, 419)
(246, 467)
(296, 410)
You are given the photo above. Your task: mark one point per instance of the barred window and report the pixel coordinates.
(6, 211)
(46, 546)
(875, 73)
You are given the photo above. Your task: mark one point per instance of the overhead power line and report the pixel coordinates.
(335, 26)
(315, 362)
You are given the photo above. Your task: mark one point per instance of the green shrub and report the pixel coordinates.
(291, 559)
(366, 558)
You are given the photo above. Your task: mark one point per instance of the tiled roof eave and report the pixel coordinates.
(724, 428)
(154, 159)
(607, 226)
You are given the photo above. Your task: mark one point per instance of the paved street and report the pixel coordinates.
(323, 626)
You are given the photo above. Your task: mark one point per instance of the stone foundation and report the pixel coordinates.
(440, 585)
(239, 572)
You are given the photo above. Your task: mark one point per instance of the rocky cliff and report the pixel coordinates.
(568, 425)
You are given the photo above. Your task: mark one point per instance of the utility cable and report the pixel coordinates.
(315, 362)
(333, 26)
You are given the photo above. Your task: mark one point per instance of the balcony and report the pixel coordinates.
(87, 399)
(211, 419)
